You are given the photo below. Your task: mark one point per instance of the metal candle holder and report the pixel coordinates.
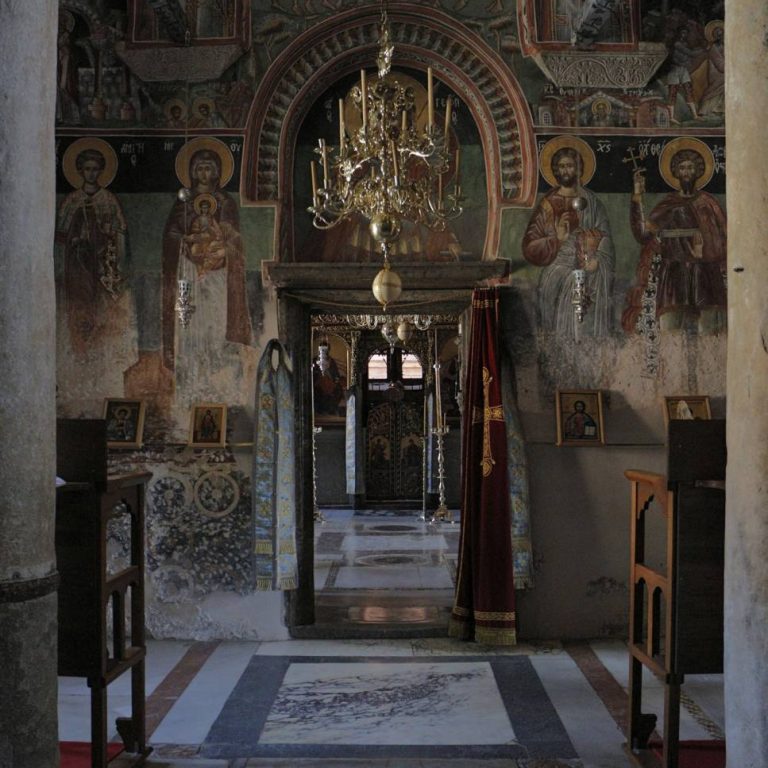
(184, 306)
(317, 514)
(442, 513)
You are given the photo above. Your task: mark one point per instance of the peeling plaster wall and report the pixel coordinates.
(199, 564)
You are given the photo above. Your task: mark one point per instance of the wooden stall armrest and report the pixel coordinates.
(647, 486)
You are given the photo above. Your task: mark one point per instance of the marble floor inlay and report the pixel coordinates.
(372, 543)
(388, 703)
(473, 707)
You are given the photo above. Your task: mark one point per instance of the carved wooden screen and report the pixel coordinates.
(394, 452)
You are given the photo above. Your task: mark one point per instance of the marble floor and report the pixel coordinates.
(428, 702)
(384, 549)
(383, 573)
(387, 697)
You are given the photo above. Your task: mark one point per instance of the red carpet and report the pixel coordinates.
(698, 754)
(77, 754)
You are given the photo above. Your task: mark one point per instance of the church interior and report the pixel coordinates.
(401, 368)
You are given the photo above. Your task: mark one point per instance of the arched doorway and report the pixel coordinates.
(287, 117)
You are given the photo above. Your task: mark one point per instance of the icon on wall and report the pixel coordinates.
(209, 425)
(580, 417)
(125, 422)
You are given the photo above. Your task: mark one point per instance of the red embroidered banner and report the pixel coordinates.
(484, 604)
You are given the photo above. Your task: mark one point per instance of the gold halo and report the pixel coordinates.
(175, 103)
(68, 167)
(205, 198)
(709, 30)
(200, 100)
(675, 146)
(195, 145)
(588, 161)
(602, 101)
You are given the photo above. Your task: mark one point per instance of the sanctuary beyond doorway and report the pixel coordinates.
(394, 427)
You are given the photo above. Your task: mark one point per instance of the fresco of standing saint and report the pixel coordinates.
(202, 244)
(569, 230)
(98, 327)
(682, 266)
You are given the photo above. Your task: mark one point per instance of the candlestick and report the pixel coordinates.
(456, 172)
(364, 98)
(448, 108)
(313, 172)
(324, 155)
(342, 128)
(438, 394)
(404, 127)
(430, 101)
(395, 169)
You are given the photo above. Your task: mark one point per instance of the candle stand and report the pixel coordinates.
(442, 513)
(317, 514)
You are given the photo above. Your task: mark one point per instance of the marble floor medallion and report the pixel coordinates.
(454, 707)
(390, 703)
(393, 528)
(393, 559)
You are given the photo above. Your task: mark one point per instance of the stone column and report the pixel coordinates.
(28, 693)
(746, 538)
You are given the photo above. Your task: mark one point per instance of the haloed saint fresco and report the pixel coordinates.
(569, 230)
(92, 254)
(681, 272)
(202, 244)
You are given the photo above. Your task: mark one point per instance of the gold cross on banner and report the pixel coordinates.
(487, 414)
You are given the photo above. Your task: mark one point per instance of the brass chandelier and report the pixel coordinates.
(389, 169)
(393, 327)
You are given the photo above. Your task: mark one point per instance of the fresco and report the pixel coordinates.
(202, 243)
(569, 230)
(330, 380)
(123, 239)
(92, 258)
(683, 87)
(644, 165)
(102, 70)
(100, 81)
(681, 272)
(98, 87)
(654, 260)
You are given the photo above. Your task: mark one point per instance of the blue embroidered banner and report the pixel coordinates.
(274, 473)
(520, 512)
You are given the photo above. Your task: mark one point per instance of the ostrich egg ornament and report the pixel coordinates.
(387, 286)
(404, 331)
